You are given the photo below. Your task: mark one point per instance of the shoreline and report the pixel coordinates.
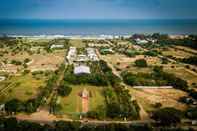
(82, 36)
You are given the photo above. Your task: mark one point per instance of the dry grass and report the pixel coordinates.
(167, 97)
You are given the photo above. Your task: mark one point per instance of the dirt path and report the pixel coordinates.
(42, 115)
(85, 105)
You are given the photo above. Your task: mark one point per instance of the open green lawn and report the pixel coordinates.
(21, 87)
(72, 104)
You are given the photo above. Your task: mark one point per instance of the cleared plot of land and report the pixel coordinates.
(186, 49)
(122, 62)
(43, 61)
(20, 87)
(77, 43)
(176, 53)
(72, 105)
(183, 73)
(167, 97)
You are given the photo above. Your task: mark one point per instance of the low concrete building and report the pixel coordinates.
(56, 46)
(81, 69)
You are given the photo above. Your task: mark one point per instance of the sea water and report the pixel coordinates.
(34, 27)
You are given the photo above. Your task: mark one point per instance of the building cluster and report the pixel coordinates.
(80, 60)
(91, 53)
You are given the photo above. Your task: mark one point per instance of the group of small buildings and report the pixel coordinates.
(80, 60)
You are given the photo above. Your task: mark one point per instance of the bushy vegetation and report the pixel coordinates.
(157, 78)
(167, 116)
(191, 113)
(119, 104)
(14, 105)
(151, 53)
(141, 63)
(64, 89)
(191, 60)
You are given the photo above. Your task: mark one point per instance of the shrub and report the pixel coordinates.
(64, 90)
(167, 116)
(141, 63)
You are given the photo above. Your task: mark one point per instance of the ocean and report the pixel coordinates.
(96, 27)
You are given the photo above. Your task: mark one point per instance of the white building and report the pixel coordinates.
(2, 78)
(81, 69)
(139, 41)
(92, 54)
(72, 54)
(56, 46)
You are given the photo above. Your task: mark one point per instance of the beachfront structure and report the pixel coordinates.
(92, 54)
(141, 41)
(72, 54)
(56, 46)
(81, 69)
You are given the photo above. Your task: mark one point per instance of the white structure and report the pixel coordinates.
(139, 41)
(82, 69)
(81, 58)
(56, 46)
(2, 78)
(72, 54)
(92, 54)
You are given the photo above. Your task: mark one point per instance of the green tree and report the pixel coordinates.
(167, 116)
(141, 63)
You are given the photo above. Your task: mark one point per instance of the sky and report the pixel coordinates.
(98, 9)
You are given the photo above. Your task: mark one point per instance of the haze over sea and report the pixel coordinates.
(34, 27)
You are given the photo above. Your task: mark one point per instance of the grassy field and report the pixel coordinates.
(77, 43)
(183, 73)
(176, 53)
(72, 104)
(20, 87)
(167, 97)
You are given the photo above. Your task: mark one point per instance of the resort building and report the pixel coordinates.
(72, 54)
(81, 69)
(92, 54)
